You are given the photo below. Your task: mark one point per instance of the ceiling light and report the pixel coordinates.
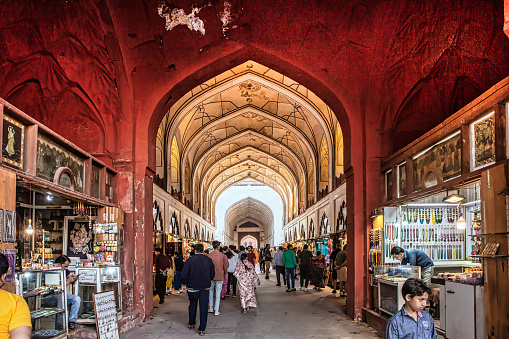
(49, 197)
(453, 198)
(461, 224)
(30, 229)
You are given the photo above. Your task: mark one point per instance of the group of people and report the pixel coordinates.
(312, 268)
(210, 277)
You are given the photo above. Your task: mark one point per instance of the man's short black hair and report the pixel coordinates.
(198, 248)
(62, 259)
(158, 249)
(232, 247)
(242, 248)
(414, 287)
(318, 253)
(4, 264)
(280, 248)
(306, 247)
(397, 250)
(268, 245)
(215, 244)
(289, 246)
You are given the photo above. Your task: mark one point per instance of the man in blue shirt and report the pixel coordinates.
(415, 258)
(280, 267)
(412, 321)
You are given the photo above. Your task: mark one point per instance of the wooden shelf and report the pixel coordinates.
(485, 234)
(490, 256)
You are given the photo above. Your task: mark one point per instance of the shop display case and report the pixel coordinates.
(390, 280)
(45, 294)
(96, 279)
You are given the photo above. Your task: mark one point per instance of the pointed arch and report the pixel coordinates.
(175, 162)
(324, 163)
(340, 162)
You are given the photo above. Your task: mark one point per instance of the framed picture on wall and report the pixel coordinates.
(13, 141)
(9, 226)
(401, 180)
(388, 185)
(482, 142)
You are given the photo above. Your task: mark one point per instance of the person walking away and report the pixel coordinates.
(197, 275)
(318, 271)
(262, 260)
(341, 263)
(412, 321)
(162, 263)
(15, 319)
(415, 257)
(179, 264)
(246, 277)
(170, 273)
(290, 261)
(332, 266)
(221, 267)
(280, 267)
(233, 259)
(305, 267)
(242, 249)
(72, 300)
(267, 258)
(251, 256)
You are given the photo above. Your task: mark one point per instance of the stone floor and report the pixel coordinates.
(300, 314)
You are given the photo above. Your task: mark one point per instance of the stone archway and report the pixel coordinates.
(249, 240)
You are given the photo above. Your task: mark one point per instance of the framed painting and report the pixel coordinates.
(401, 180)
(11, 258)
(388, 185)
(51, 157)
(442, 159)
(13, 141)
(9, 226)
(80, 237)
(482, 142)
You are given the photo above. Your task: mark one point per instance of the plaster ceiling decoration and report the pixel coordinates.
(252, 123)
(249, 211)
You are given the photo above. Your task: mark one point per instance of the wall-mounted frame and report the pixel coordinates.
(388, 185)
(402, 183)
(482, 142)
(13, 141)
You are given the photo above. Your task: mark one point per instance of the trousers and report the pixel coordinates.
(160, 286)
(290, 274)
(232, 282)
(216, 287)
(178, 286)
(304, 275)
(194, 297)
(280, 270)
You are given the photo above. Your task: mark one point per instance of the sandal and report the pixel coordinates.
(244, 310)
(202, 333)
(191, 327)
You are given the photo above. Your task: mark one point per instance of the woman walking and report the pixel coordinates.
(246, 277)
(318, 270)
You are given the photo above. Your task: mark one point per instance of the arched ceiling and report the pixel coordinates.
(251, 122)
(249, 210)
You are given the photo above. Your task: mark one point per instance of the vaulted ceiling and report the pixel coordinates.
(249, 212)
(250, 122)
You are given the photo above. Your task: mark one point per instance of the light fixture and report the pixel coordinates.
(30, 229)
(461, 223)
(49, 197)
(453, 198)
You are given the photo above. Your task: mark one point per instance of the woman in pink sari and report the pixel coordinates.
(246, 278)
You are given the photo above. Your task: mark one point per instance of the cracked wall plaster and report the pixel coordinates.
(178, 17)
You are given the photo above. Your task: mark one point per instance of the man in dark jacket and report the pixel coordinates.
(305, 267)
(179, 265)
(162, 263)
(197, 276)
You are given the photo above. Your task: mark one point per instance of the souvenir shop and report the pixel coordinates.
(446, 195)
(57, 200)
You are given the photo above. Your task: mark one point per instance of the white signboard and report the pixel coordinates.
(87, 276)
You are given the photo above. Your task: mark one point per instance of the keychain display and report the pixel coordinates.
(106, 315)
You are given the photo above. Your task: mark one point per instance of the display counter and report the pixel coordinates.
(390, 280)
(464, 311)
(45, 294)
(93, 280)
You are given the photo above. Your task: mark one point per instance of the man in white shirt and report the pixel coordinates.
(233, 259)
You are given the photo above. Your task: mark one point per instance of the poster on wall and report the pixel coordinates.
(51, 157)
(402, 180)
(13, 139)
(80, 238)
(388, 185)
(9, 226)
(482, 134)
(11, 258)
(442, 158)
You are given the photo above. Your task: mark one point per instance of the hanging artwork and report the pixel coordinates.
(482, 134)
(13, 138)
(80, 238)
(440, 162)
(9, 226)
(388, 185)
(402, 180)
(51, 157)
(11, 258)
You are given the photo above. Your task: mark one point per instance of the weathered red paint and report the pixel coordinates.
(100, 73)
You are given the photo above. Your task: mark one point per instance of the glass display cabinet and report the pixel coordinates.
(45, 294)
(93, 280)
(390, 280)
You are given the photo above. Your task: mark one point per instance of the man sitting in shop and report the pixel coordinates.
(415, 257)
(72, 300)
(15, 319)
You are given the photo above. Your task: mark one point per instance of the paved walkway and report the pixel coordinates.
(300, 314)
